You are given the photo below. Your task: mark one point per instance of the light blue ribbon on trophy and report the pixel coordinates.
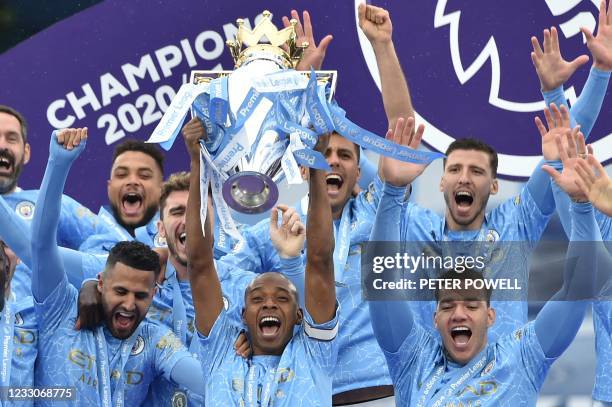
(320, 119)
(219, 104)
(214, 133)
(290, 167)
(104, 374)
(210, 175)
(378, 144)
(170, 124)
(311, 158)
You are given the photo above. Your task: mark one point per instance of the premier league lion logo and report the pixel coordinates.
(470, 73)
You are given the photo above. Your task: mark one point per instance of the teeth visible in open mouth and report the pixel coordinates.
(334, 179)
(125, 315)
(183, 237)
(461, 329)
(5, 163)
(270, 319)
(464, 193)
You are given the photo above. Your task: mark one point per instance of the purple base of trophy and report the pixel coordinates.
(250, 192)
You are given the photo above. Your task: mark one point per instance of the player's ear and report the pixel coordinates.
(435, 319)
(26, 153)
(100, 282)
(161, 229)
(490, 317)
(300, 317)
(494, 186)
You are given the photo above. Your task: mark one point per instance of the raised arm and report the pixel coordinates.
(375, 23)
(47, 265)
(205, 285)
(558, 322)
(385, 314)
(320, 283)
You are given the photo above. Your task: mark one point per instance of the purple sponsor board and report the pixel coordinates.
(115, 67)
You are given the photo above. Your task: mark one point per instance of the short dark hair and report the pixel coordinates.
(142, 147)
(136, 255)
(179, 181)
(467, 274)
(477, 145)
(20, 119)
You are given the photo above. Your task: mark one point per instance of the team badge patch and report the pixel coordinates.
(25, 209)
(179, 399)
(159, 241)
(138, 346)
(492, 236)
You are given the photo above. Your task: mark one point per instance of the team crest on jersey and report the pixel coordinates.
(477, 61)
(179, 399)
(18, 319)
(492, 236)
(238, 384)
(139, 346)
(488, 368)
(25, 209)
(518, 334)
(159, 241)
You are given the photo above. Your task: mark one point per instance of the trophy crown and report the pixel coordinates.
(281, 46)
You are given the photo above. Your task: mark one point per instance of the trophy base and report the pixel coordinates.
(250, 192)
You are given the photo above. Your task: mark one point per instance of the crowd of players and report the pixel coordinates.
(139, 305)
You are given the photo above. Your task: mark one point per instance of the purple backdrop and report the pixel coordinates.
(115, 66)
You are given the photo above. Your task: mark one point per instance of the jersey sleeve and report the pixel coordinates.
(77, 223)
(59, 305)
(321, 340)
(169, 350)
(215, 348)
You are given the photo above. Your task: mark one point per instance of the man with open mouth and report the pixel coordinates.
(460, 365)
(134, 188)
(294, 349)
(117, 361)
(77, 223)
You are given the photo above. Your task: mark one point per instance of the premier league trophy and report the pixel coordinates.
(257, 119)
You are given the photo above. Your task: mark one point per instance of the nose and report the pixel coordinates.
(133, 179)
(459, 314)
(129, 302)
(270, 303)
(464, 177)
(332, 159)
